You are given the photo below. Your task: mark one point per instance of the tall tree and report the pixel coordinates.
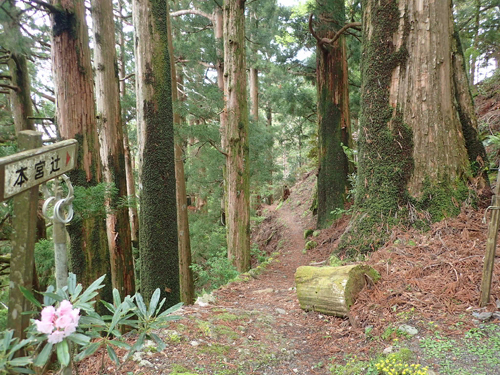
(412, 144)
(158, 214)
(20, 86)
(237, 168)
(111, 146)
(76, 118)
(333, 109)
(186, 273)
(133, 215)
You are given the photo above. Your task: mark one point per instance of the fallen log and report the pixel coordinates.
(332, 290)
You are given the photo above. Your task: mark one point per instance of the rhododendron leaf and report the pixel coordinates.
(87, 320)
(116, 297)
(79, 339)
(19, 345)
(47, 301)
(160, 306)
(22, 370)
(153, 302)
(89, 350)
(76, 292)
(109, 306)
(90, 292)
(29, 296)
(170, 310)
(158, 341)
(42, 358)
(112, 355)
(116, 317)
(71, 283)
(21, 361)
(53, 296)
(137, 346)
(7, 338)
(140, 304)
(120, 344)
(62, 349)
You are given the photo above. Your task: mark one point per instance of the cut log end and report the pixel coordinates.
(331, 290)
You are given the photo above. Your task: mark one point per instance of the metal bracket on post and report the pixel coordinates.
(59, 219)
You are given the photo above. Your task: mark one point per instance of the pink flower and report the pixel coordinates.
(65, 308)
(59, 323)
(56, 336)
(48, 313)
(63, 321)
(44, 326)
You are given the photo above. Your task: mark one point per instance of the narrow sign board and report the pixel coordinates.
(22, 171)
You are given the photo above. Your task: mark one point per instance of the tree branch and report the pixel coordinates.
(127, 77)
(323, 41)
(45, 96)
(15, 88)
(212, 143)
(49, 7)
(192, 11)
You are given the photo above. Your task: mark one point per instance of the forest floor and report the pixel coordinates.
(430, 283)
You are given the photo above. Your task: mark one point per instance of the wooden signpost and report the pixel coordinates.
(20, 175)
(491, 246)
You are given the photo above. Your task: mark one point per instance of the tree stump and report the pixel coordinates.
(332, 290)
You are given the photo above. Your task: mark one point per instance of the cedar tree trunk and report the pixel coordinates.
(159, 253)
(333, 112)
(111, 141)
(237, 168)
(412, 146)
(76, 118)
(186, 273)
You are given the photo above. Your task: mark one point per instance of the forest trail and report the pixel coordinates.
(253, 326)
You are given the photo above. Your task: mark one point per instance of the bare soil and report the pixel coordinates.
(255, 325)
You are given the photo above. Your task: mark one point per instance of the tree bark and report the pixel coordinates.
(464, 103)
(412, 148)
(423, 88)
(21, 106)
(333, 113)
(76, 118)
(254, 93)
(158, 215)
(111, 142)
(237, 168)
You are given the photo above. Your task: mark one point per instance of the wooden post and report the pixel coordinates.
(491, 245)
(60, 249)
(23, 244)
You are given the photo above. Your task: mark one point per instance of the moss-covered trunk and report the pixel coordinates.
(76, 118)
(465, 106)
(20, 99)
(333, 112)
(237, 168)
(111, 146)
(412, 149)
(158, 214)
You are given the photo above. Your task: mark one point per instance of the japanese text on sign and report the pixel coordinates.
(38, 166)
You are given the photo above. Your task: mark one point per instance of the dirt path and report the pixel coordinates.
(254, 326)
